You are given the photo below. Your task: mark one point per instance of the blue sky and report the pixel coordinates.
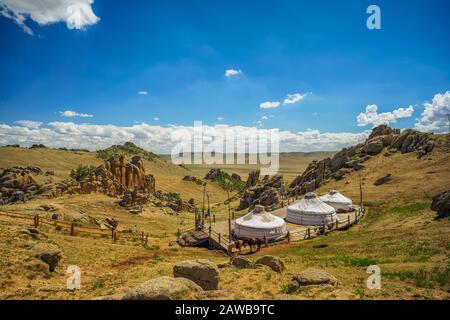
(178, 52)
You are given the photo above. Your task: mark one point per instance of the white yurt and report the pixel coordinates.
(311, 211)
(260, 224)
(337, 200)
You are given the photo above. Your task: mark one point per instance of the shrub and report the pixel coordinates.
(80, 173)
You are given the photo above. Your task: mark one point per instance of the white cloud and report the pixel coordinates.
(264, 118)
(156, 118)
(220, 118)
(70, 114)
(77, 14)
(29, 124)
(158, 138)
(142, 93)
(232, 72)
(434, 116)
(293, 98)
(371, 115)
(269, 105)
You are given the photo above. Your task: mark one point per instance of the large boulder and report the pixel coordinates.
(202, 272)
(241, 262)
(163, 288)
(49, 254)
(311, 276)
(275, 263)
(441, 204)
(374, 146)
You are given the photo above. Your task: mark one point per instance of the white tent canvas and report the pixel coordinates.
(260, 224)
(337, 200)
(311, 211)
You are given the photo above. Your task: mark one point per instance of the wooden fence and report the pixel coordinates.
(75, 228)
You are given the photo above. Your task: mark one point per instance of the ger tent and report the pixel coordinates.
(259, 224)
(311, 211)
(337, 200)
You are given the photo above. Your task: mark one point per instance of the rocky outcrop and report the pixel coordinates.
(275, 263)
(352, 158)
(253, 179)
(202, 272)
(225, 180)
(134, 201)
(311, 276)
(116, 176)
(112, 178)
(266, 193)
(163, 288)
(441, 204)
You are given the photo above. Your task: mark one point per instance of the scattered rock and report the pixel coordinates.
(441, 204)
(241, 262)
(382, 180)
(50, 256)
(163, 288)
(275, 263)
(202, 272)
(311, 276)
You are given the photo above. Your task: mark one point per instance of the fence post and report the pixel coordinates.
(115, 236)
(71, 229)
(210, 231)
(178, 234)
(146, 239)
(35, 221)
(309, 233)
(219, 238)
(214, 218)
(289, 236)
(348, 220)
(142, 237)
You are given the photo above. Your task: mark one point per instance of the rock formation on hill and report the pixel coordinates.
(116, 176)
(225, 180)
(266, 192)
(352, 158)
(112, 178)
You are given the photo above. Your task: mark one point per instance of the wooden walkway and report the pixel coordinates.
(218, 234)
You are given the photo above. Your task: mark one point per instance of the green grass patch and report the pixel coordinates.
(410, 209)
(423, 278)
(355, 262)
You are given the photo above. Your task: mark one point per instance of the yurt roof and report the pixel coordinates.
(311, 203)
(336, 197)
(260, 220)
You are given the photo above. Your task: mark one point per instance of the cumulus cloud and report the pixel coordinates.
(371, 115)
(434, 116)
(142, 93)
(232, 72)
(220, 118)
(159, 138)
(269, 105)
(156, 118)
(77, 14)
(29, 124)
(294, 98)
(264, 118)
(71, 114)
